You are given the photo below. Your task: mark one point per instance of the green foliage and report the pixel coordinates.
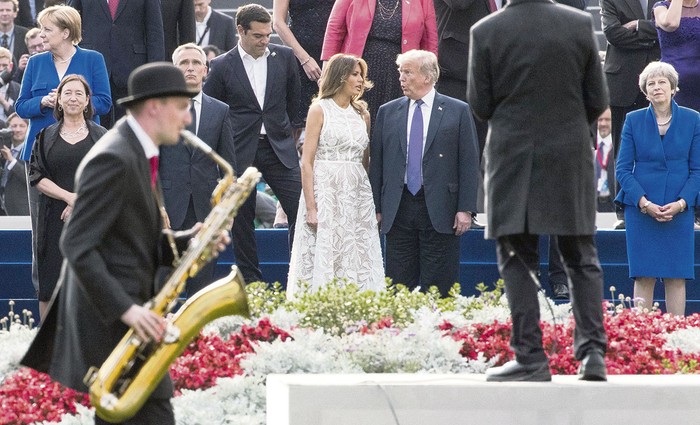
(264, 298)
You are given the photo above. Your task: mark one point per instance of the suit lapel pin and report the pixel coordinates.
(439, 108)
(273, 54)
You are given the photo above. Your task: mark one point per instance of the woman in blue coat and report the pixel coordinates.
(61, 32)
(658, 169)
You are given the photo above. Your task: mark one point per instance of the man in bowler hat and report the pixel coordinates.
(114, 242)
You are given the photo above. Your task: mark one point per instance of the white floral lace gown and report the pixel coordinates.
(346, 243)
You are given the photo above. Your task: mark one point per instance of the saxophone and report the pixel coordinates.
(135, 367)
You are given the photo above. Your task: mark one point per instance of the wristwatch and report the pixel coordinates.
(644, 207)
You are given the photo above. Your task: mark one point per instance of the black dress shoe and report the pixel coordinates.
(560, 291)
(514, 371)
(593, 367)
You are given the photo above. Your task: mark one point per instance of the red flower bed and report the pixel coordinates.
(29, 396)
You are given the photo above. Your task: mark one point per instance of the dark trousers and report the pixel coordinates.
(416, 254)
(557, 271)
(153, 412)
(286, 183)
(517, 263)
(205, 276)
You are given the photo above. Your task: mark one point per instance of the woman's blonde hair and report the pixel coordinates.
(659, 69)
(336, 72)
(65, 17)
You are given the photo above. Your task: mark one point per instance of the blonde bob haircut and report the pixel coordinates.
(659, 69)
(334, 75)
(65, 17)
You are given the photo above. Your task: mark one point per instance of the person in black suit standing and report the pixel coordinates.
(114, 242)
(424, 173)
(540, 96)
(189, 176)
(128, 33)
(260, 83)
(178, 24)
(213, 27)
(633, 43)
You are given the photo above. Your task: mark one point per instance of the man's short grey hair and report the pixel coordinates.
(658, 69)
(427, 62)
(189, 46)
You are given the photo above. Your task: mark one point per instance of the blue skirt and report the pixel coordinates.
(660, 249)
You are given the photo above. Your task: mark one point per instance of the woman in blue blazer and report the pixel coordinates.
(658, 169)
(61, 31)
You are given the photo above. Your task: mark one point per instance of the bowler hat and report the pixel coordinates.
(155, 79)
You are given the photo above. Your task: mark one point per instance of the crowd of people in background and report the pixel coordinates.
(279, 100)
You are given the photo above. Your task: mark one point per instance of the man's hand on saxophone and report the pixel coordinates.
(147, 324)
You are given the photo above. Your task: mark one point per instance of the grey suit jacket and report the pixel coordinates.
(228, 82)
(540, 94)
(188, 173)
(112, 246)
(222, 31)
(450, 161)
(628, 51)
(15, 198)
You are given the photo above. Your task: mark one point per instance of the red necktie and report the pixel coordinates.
(113, 4)
(492, 5)
(154, 170)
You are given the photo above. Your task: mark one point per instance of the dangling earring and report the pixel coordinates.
(60, 108)
(85, 110)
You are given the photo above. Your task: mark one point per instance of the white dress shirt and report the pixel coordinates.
(426, 109)
(256, 69)
(149, 147)
(202, 38)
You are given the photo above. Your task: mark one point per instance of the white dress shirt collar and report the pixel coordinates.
(149, 147)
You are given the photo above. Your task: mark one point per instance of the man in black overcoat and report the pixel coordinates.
(535, 74)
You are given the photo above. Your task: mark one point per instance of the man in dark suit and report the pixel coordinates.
(9, 92)
(114, 242)
(604, 163)
(540, 95)
(260, 83)
(128, 37)
(632, 44)
(11, 35)
(213, 27)
(189, 176)
(13, 180)
(27, 11)
(424, 174)
(178, 24)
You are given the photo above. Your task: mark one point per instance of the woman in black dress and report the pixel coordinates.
(56, 154)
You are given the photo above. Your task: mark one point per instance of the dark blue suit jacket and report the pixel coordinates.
(222, 31)
(134, 38)
(450, 161)
(228, 82)
(40, 78)
(188, 173)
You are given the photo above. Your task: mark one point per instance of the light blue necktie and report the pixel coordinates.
(415, 151)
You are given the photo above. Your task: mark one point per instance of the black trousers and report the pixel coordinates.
(205, 276)
(153, 412)
(517, 263)
(416, 254)
(286, 183)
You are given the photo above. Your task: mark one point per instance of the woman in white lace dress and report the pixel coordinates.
(336, 234)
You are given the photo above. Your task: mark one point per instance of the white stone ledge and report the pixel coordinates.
(467, 399)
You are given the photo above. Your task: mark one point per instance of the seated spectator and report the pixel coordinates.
(211, 51)
(13, 182)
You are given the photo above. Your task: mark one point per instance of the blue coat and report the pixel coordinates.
(40, 77)
(665, 170)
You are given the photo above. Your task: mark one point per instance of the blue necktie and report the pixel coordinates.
(415, 151)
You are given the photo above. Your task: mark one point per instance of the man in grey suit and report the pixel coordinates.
(213, 27)
(424, 174)
(535, 74)
(189, 176)
(260, 83)
(13, 180)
